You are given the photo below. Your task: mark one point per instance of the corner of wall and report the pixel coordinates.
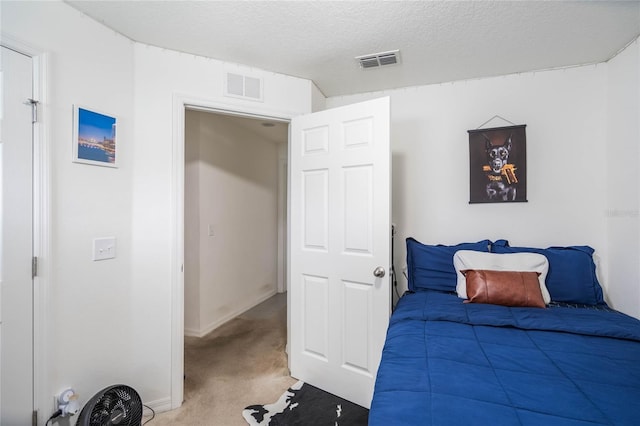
(318, 100)
(621, 211)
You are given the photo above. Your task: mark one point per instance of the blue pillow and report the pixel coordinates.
(572, 272)
(431, 267)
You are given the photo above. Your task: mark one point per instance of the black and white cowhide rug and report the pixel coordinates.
(306, 405)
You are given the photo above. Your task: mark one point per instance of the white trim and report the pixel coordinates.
(41, 222)
(41, 234)
(287, 272)
(283, 164)
(177, 256)
(180, 102)
(159, 405)
(19, 46)
(637, 312)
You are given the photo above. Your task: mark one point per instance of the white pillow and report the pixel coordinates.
(521, 262)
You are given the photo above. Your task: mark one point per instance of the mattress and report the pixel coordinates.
(446, 362)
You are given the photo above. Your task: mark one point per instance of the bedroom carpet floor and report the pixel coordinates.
(241, 363)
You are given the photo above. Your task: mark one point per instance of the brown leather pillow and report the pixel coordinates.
(508, 288)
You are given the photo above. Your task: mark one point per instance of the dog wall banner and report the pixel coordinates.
(498, 165)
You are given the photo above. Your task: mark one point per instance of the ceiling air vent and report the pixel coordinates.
(376, 60)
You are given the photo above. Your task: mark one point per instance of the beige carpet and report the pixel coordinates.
(241, 363)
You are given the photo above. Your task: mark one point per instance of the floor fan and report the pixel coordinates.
(114, 405)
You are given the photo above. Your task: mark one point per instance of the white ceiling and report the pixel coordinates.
(265, 130)
(439, 41)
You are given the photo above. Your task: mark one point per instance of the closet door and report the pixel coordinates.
(16, 246)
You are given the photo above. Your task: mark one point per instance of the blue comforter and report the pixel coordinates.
(449, 363)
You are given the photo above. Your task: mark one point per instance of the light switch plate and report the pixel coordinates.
(104, 248)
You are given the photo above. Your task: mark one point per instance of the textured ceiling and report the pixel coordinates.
(439, 41)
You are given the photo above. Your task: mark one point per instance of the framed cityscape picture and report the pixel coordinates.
(498, 165)
(94, 137)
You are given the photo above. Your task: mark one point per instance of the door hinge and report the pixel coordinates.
(34, 267)
(34, 109)
(34, 418)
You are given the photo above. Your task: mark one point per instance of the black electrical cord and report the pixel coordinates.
(54, 416)
(395, 283)
(393, 269)
(153, 414)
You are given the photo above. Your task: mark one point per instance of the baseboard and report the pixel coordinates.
(191, 332)
(228, 317)
(160, 405)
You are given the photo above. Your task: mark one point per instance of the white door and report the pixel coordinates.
(340, 233)
(16, 244)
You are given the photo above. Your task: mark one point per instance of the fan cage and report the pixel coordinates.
(114, 405)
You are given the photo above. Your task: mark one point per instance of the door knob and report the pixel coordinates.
(379, 272)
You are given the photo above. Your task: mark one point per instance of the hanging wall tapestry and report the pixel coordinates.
(498, 165)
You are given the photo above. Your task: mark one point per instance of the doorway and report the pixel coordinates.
(181, 104)
(234, 215)
(235, 195)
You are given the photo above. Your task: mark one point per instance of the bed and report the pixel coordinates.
(450, 362)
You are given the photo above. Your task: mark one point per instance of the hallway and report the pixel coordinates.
(239, 364)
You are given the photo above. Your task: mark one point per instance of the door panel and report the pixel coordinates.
(316, 209)
(340, 233)
(358, 188)
(16, 288)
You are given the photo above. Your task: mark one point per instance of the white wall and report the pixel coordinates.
(623, 180)
(127, 301)
(565, 114)
(111, 321)
(161, 77)
(89, 305)
(236, 192)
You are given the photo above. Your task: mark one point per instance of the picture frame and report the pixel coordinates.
(498, 165)
(94, 137)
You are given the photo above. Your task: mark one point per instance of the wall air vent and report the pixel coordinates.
(243, 86)
(376, 60)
